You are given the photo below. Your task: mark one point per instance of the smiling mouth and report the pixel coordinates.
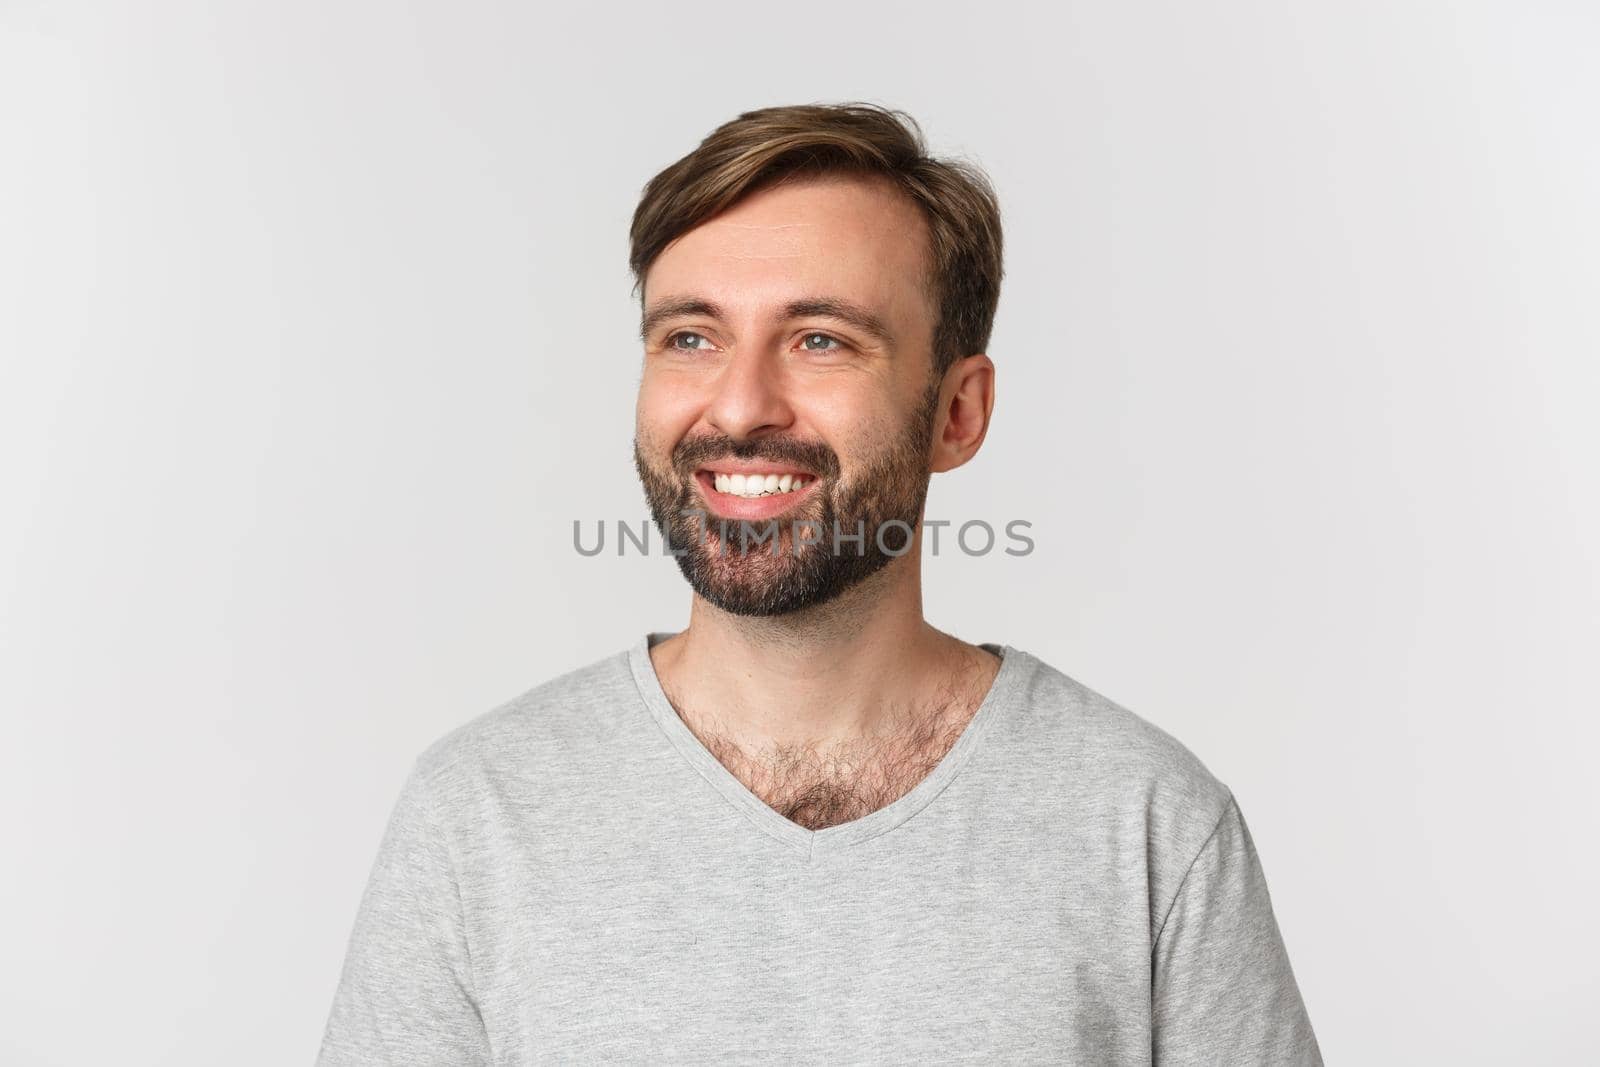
(764, 492)
(753, 485)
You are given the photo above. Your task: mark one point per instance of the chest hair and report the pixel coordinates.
(821, 786)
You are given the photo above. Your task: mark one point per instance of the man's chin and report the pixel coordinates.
(749, 586)
(763, 586)
(752, 604)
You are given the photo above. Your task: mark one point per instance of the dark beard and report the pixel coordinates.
(742, 574)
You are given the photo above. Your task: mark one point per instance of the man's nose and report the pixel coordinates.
(749, 396)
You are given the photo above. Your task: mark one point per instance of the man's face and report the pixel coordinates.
(789, 340)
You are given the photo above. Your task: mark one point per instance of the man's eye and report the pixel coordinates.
(692, 342)
(828, 344)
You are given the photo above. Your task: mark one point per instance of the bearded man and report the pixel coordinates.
(810, 827)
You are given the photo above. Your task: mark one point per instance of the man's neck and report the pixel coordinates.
(858, 667)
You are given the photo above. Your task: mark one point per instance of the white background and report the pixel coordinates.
(317, 336)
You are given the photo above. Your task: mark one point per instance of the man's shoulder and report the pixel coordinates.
(1110, 778)
(1104, 751)
(562, 713)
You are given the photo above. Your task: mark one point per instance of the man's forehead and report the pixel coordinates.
(794, 218)
(754, 239)
(850, 241)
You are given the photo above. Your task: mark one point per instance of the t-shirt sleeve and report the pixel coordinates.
(405, 994)
(1222, 987)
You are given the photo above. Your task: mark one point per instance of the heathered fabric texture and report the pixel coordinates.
(572, 877)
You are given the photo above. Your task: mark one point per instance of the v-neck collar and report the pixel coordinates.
(1014, 665)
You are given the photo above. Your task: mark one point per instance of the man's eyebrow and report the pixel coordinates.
(863, 319)
(673, 307)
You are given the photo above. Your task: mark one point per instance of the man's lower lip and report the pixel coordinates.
(727, 505)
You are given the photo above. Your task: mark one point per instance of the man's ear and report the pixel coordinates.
(966, 400)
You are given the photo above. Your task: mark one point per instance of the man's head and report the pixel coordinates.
(817, 295)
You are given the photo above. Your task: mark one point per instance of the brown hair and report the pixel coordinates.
(760, 148)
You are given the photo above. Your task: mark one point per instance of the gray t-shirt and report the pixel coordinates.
(572, 877)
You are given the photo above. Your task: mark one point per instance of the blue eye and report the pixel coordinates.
(672, 341)
(823, 337)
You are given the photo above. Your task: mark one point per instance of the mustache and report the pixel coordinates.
(695, 452)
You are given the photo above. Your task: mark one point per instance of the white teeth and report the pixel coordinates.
(754, 485)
